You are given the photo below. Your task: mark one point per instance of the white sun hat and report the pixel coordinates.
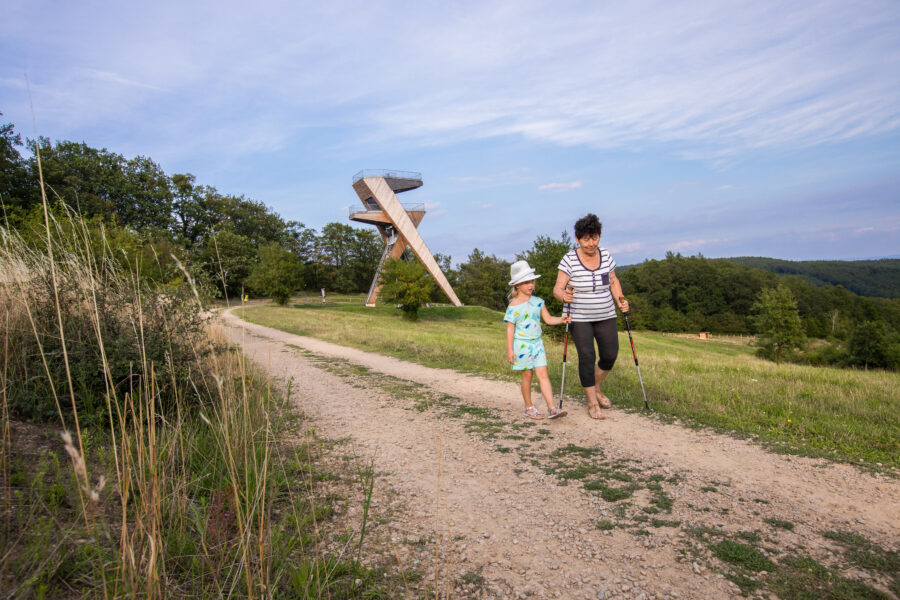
(520, 271)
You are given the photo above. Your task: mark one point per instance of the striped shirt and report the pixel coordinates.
(593, 300)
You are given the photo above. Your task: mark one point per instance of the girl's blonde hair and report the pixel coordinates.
(512, 290)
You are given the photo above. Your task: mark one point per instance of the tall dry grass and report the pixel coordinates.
(176, 473)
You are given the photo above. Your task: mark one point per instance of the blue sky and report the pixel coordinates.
(728, 128)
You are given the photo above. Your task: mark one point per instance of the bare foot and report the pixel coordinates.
(595, 412)
(603, 400)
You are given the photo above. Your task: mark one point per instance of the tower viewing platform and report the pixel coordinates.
(397, 223)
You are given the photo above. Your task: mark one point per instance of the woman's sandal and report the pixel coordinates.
(532, 413)
(595, 413)
(556, 412)
(603, 400)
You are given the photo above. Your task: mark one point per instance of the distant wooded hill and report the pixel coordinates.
(879, 278)
(694, 293)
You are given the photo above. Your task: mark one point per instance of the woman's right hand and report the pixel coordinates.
(568, 295)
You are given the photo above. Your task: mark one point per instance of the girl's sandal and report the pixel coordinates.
(594, 412)
(556, 412)
(532, 413)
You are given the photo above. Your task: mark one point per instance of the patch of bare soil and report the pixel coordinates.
(483, 503)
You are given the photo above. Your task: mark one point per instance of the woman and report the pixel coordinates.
(587, 282)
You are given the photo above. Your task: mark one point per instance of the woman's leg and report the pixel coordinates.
(607, 336)
(583, 336)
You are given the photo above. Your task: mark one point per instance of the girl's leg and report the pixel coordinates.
(546, 388)
(526, 388)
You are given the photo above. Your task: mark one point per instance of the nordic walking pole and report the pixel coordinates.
(562, 385)
(634, 354)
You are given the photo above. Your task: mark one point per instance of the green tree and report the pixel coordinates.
(16, 189)
(366, 249)
(250, 219)
(227, 258)
(484, 280)
(198, 210)
(278, 274)
(406, 283)
(452, 275)
(146, 202)
(777, 323)
(335, 245)
(869, 345)
(132, 193)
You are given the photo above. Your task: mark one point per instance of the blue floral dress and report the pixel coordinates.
(527, 344)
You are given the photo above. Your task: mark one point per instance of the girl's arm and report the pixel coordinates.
(510, 331)
(551, 320)
(616, 288)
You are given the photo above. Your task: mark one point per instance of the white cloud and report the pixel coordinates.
(711, 81)
(628, 248)
(560, 187)
(118, 79)
(698, 244)
(470, 179)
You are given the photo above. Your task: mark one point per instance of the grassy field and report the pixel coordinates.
(848, 415)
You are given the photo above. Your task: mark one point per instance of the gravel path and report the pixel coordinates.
(514, 509)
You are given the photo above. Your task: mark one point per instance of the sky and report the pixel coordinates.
(727, 128)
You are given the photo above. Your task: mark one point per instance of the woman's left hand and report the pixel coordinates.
(623, 304)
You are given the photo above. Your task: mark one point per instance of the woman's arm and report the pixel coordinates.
(560, 291)
(616, 288)
(510, 331)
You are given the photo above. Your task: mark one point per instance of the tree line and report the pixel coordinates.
(794, 319)
(153, 216)
(229, 244)
(879, 278)
(233, 245)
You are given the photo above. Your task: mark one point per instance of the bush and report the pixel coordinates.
(118, 331)
(777, 323)
(278, 274)
(407, 284)
(870, 346)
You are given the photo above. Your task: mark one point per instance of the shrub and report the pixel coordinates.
(278, 274)
(407, 284)
(118, 331)
(777, 323)
(870, 345)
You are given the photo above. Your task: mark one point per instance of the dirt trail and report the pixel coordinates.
(507, 527)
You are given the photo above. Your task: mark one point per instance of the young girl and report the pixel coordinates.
(524, 348)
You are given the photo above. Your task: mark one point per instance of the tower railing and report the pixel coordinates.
(387, 173)
(420, 207)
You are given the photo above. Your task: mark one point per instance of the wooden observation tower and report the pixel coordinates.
(396, 222)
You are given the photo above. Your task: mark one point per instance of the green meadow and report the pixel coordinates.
(847, 415)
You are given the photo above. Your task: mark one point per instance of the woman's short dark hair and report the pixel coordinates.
(588, 225)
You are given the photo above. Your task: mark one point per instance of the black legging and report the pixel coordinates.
(607, 335)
